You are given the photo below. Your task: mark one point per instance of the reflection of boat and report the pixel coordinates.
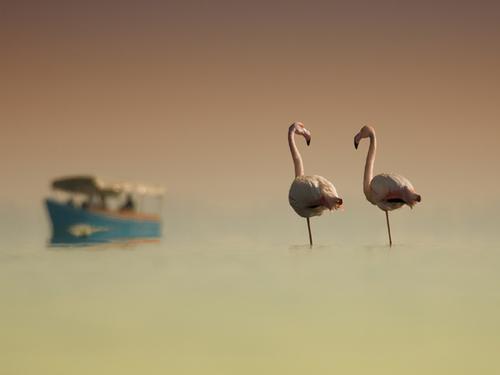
(88, 211)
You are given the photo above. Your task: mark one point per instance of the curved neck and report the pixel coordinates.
(297, 159)
(370, 160)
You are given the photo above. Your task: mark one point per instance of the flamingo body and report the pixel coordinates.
(390, 191)
(312, 195)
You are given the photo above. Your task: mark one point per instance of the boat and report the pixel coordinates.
(88, 210)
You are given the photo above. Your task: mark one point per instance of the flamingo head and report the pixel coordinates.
(299, 128)
(365, 132)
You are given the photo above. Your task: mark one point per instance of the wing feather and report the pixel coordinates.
(308, 194)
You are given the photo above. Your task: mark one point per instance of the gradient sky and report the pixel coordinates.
(198, 96)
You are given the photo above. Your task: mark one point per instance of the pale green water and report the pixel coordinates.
(250, 301)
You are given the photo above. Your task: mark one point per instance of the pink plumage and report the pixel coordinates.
(388, 191)
(309, 195)
(312, 195)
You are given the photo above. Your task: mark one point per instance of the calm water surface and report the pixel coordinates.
(240, 305)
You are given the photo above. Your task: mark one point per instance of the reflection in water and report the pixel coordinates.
(125, 244)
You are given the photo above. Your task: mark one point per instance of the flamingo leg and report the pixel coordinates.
(310, 235)
(388, 227)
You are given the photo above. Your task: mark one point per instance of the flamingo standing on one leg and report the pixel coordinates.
(387, 190)
(309, 195)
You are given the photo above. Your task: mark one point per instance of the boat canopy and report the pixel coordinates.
(90, 185)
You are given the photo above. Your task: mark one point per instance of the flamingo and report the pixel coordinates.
(309, 195)
(388, 191)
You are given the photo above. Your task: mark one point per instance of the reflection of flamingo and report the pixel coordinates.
(387, 191)
(309, 195)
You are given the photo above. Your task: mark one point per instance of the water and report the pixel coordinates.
(250, 301)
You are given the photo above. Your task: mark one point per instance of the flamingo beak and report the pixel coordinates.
(357, 138)
(307, 136)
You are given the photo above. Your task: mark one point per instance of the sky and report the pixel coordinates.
(198, 96)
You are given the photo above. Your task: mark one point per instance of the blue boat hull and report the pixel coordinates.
(74, 225)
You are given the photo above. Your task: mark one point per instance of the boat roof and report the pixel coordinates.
(91, 185)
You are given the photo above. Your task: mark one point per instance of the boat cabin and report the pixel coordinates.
(116, 198)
